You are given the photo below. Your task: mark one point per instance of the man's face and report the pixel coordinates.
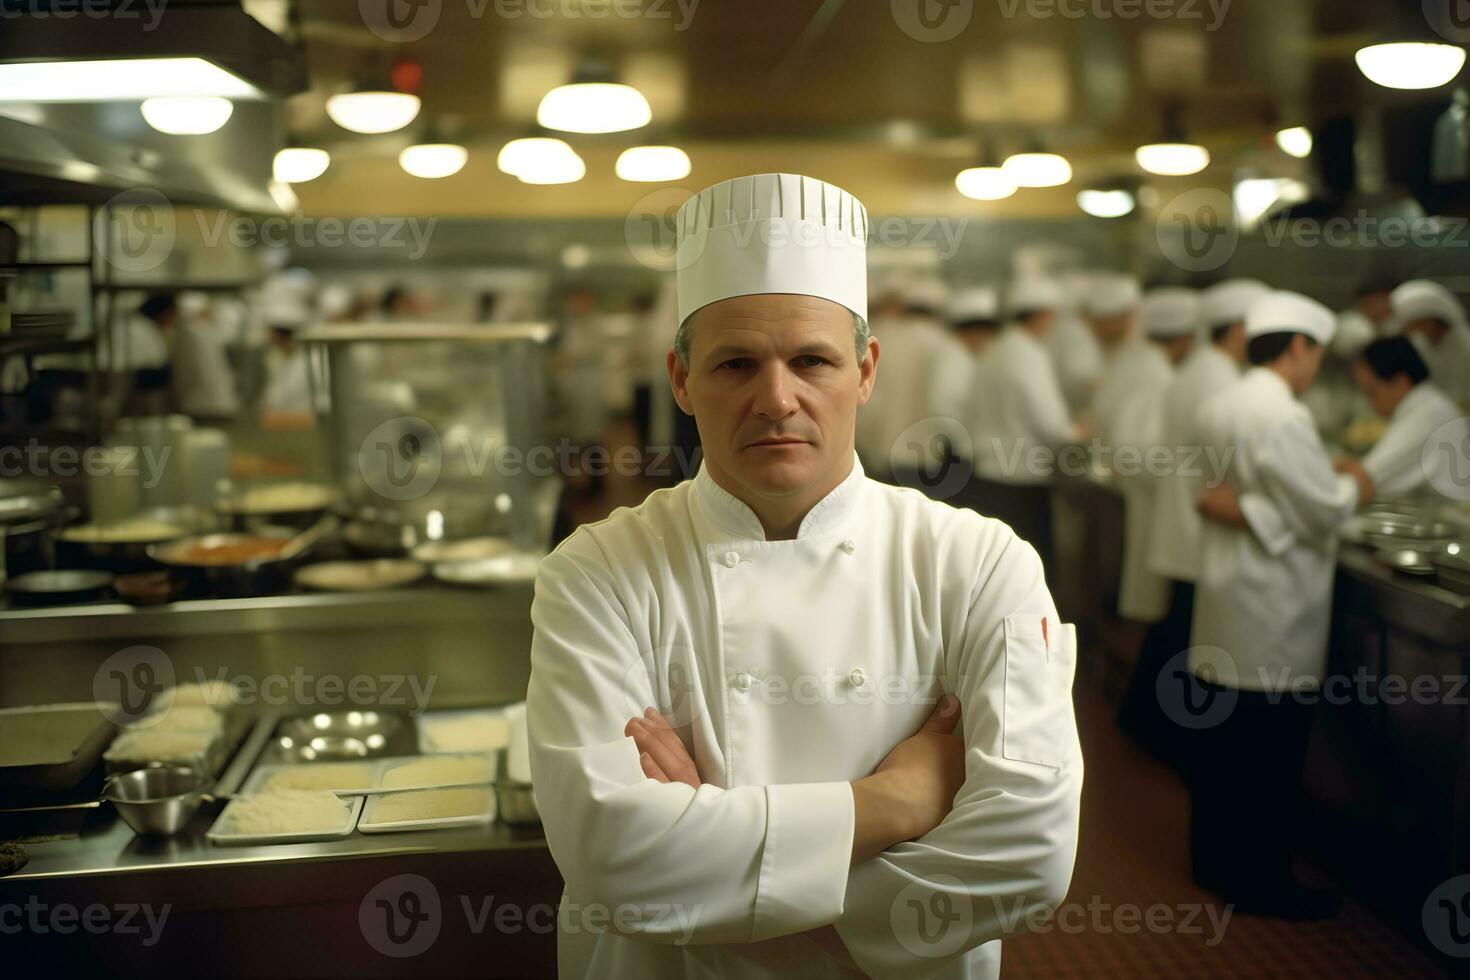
(1429, 328)
(1308, 358)
(774, 385)
(1111, 330)
(1177, 349)
(1383, 396)
(1375, 306)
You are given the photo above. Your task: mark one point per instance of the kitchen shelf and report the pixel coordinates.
(204, 286)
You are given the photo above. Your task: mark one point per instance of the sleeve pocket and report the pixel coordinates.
(1039, 726)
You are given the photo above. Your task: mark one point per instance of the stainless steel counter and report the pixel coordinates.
(1414, 604)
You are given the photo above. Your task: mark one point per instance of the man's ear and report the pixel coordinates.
(868, 371)
(679, 381)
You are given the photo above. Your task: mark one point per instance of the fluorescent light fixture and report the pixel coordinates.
(1172, 159)
(985, 183)
(1255, 197)
(373, 112)
(650, 164)
(1105, 204)
(521, 155)
(1410, 64)
(559, 168)
(187, 115)
(433, 160)
(1296, 141)
(1037, 169)
(576, 256)
(121, 80)
(298, 164)
(594, 107)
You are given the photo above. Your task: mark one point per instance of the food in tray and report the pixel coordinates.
(183, 718)
(159, 745)
(352, 576)
(439, 771)
(327, 776)
(286, 811)
(234, 552)
(431, 804)
(214, 694)
(279, 498)
(467, 731)
(132, 529)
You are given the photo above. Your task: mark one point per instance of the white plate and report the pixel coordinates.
(256, 782)
(430, 823)
(368, 575)
(350, 811)
(517, 566)
(390, 764)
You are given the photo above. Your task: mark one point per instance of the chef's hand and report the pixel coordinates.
(1221, 504)
(1340, 464)
(913, 788)
(660, 752)
(1355, 469)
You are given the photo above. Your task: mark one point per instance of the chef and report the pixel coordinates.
(1018, 419)
(737, 706)
(204, 385)
(1130, 423)
(1434, 319)
(1395, 381)
(1173, 552)
(1075, 352)
(1262, 608)
(974, 316)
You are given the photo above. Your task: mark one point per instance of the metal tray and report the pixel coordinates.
(210, 762)
(216, 835)
(390, 764)
(75, 736)
(366, 826)
(262, 774)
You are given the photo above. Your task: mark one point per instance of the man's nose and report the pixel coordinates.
(775, 396)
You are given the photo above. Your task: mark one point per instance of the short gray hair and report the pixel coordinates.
(860, 335)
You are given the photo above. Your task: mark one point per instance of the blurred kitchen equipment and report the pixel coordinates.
(157, 801)
(431, 430)
(360, 576)
(123, 545)
(30, 512)
(58, 586)
(230, 565)
(160, 440)
(50, 747)
(205, 464)
(337, 735)
(1453, 566)
(281, 503)
(1408, 560)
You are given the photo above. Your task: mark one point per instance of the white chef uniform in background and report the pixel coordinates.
(1073, 346)
(1113, 301)
(204, 385)
(1265, 594)
(1449, 358)
(1398, 462)
(913, 352)
(1174, 550)
(772, 653)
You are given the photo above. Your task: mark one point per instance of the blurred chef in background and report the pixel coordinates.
(1262, 610)
(1395, 381)
(1174, 544)
(203, 384)
(137, 348)
(974, 316)
(1434, 320)
(1016, 408)
(1075, 352)
(1130, 421)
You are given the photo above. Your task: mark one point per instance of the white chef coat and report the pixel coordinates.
(796, 666)
(1264, 595)
(1130, 416)
(1016, 406)
(1077, 357)
(202, 380)
(135, 342)
(1449, 363)
(911, 351)
(289, 387)
(1174, 544)
(1396, 462)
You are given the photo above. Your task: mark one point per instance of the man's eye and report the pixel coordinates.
(811, 360)
(737, 363)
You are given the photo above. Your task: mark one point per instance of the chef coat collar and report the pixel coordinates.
(1417, 395)
(735, 516)
(1261, 371)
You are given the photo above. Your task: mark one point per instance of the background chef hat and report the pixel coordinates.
(772, 233)
(1170, 312)
(1419, 299)
(1354, 332)
(974, 303)
(1226, 302)
(926, 293)
(1112, 294)
(1280, 311)
(1035, 293)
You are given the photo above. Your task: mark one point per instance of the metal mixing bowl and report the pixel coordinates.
(158, 801)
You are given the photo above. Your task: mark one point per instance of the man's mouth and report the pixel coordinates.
(779, 441)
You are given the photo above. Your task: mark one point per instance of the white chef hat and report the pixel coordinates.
(772, 233)
(1035, 293)
(1111, 294)
(1354, 332)
(926, 293)
(1280, 310)
(1420, 299)
(1226, 302)
(974, 303)
(1170, 312)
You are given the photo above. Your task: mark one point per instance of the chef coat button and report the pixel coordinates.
(848, 547)
(742, 681)
(731, 559)
(856, 677)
